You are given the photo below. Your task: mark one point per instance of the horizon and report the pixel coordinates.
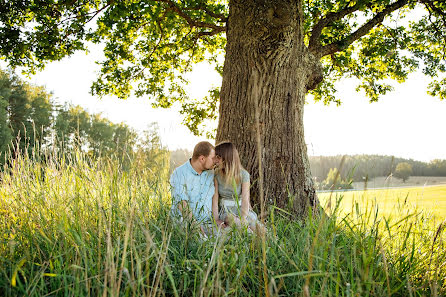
(338, 155)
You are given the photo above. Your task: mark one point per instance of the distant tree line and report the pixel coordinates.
(30, 120)
(354, 168)
(361, 167)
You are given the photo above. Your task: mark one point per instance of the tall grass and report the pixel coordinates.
(79, 227)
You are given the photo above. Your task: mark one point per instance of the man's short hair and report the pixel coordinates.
(202, 148)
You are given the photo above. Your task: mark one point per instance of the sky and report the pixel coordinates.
(406, 123)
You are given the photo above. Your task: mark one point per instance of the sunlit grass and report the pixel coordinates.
(77, 227)
(427, 201)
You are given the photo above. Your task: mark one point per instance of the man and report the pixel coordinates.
(193, 187)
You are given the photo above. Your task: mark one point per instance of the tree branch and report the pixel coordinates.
(363, 30)
(329, 18)
(190, 21)
(219, 16)
(431, 5)
(441, 14)
(92, 14)
(207, 33)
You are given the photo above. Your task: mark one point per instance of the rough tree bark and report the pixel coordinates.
(267, 73)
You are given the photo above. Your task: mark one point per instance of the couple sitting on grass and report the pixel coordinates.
(213, 199)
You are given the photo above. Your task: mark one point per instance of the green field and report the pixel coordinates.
(395, 202)
(72, 226)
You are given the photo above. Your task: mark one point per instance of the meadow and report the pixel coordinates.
(413, 181)
(72, 226)
(427, 201)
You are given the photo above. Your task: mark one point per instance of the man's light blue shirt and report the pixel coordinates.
(196, 189)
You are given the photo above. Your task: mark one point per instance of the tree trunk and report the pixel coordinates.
(267, 72)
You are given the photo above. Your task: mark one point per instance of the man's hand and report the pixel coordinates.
(221, 224)
(202, 230)
(187, 214)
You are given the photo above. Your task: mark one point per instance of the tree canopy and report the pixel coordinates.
(32, 123)
(150, 46)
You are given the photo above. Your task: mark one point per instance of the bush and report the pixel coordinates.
(334, 181)
(403, 171)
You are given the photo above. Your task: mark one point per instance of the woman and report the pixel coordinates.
(232, 183)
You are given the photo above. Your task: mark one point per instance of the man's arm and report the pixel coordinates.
(180, 199)
(179, 194)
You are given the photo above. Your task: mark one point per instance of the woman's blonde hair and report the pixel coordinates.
(231, 171)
